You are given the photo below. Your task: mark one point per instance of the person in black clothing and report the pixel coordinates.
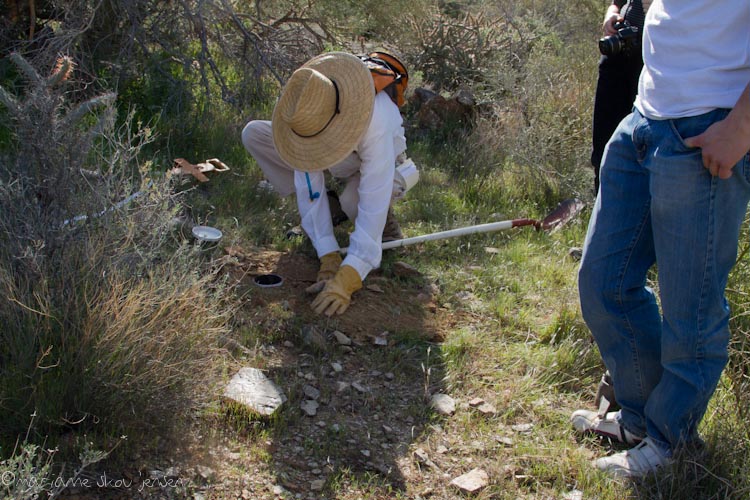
(617, 84)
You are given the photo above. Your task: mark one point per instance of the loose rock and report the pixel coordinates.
(310, 407)
(423, 458)
(341, 338)
(342, 386)
(504, 440)
(312, 337)
(443, 404)
(206, 473)
(381, 339)
(250, 387)
(311, 392)
(472, 481)
(573, 495)
(523, 428)
(359, 387)
(487, 409)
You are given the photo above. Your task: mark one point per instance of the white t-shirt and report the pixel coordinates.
(696, 56)
(378, 148)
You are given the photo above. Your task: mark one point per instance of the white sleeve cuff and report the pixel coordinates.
(326, 245)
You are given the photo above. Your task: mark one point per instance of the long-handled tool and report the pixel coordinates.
(564, 212)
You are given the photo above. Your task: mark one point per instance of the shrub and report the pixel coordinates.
(105, 317)
(29, 472)
(452, 53)
(532, 72)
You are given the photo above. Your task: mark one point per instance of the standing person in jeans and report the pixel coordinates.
(619, 69)
(675, 184)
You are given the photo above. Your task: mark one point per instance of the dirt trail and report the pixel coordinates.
(369, 398)
(354, 410)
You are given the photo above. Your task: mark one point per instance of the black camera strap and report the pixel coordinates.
(634, 13)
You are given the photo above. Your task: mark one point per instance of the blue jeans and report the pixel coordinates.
(657, 204)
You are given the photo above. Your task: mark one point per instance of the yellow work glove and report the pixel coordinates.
(337, 294)
(329, 264)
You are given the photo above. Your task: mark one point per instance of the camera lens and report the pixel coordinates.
(610, 45)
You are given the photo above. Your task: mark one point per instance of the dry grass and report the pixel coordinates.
(110, 322)
(154, 340)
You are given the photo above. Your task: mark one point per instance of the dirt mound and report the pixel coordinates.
(387, 302)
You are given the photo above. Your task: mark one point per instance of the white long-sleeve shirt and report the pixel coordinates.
(377, 150)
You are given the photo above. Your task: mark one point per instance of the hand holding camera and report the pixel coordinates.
(626, 38)
(611, 18)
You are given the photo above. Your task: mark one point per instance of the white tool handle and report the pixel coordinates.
(452, 233)
(482, 228)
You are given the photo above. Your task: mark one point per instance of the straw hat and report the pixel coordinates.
(323, 111)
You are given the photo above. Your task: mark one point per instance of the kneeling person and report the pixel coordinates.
(330, 117)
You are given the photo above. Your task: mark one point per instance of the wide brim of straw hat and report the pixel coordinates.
(342, 134)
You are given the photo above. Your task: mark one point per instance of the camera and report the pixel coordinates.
(627, 37)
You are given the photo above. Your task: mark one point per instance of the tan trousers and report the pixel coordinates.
(258, 141)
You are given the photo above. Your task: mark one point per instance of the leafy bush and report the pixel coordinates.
(552, 104)
(105, 317)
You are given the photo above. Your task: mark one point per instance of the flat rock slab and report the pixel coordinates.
(472, 481)
(250, 387)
